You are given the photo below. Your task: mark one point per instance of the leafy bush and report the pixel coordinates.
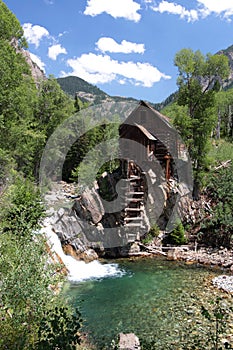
(59, 330)
(22, 207)
(153, 232)
(217, 229)
(28, 306)
(24, 290)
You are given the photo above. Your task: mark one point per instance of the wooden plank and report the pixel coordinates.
(134, 225)
(134, 209)
(135, 192)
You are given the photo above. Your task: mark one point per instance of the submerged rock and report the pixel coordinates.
(128, 342)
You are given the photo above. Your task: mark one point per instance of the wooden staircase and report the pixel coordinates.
(133, 201)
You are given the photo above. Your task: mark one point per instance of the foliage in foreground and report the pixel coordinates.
(59, 330)
(31, 313)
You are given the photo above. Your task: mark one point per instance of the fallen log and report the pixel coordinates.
(152, 250)
(223, 164)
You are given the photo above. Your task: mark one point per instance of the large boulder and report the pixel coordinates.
(89, 206)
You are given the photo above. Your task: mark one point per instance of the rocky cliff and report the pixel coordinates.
(37, 73)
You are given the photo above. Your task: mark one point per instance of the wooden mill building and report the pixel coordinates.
(151, 154)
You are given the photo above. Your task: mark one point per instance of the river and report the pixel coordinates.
(153, 298)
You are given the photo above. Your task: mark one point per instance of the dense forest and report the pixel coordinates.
(29, 113)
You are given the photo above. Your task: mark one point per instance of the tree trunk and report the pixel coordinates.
(218, 127)
(196, 190)
(229, 122)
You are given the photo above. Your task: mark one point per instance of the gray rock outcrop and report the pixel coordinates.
(37, 73)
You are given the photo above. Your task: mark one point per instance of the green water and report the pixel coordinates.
(155, 298)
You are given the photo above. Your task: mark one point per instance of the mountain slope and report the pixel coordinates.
(229, 53)
(75, 86)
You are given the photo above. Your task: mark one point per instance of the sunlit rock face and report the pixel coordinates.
(37, 73)
(81, 223)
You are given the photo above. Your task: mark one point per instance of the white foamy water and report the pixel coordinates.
(79, 270)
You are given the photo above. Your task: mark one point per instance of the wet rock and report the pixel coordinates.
(173, 254)
(69, 250)
(88, 255)
(134, 248)
(128, 342)
(224, 282)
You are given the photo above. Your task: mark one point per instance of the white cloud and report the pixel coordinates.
(223, 7)
(175, 9)
(122, 81)
(205, 8)
(108, 44)
(102, 69)
(56, 50)
(127, 9)
(38, 61)
(49, 2)
(34, 33)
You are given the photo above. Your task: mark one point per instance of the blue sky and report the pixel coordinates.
(125, 47)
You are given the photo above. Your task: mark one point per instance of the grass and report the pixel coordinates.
(220, 151)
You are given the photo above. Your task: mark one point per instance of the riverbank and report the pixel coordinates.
(221, 259)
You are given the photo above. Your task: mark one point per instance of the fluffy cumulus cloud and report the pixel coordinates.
(106, 44)
(176, 9)
(38, 61)
(127, 9)
(219, 7)
(103, 69)
(34, 33)
(56, 50)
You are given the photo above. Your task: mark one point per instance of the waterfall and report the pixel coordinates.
(79, 270)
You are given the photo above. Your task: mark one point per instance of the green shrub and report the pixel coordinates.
(217, 228)
(21, 208)
(153, 232)
(59, 329)
(177, 236)
(24, 292)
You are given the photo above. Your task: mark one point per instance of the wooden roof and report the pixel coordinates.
(157, 113)
(146, 132)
